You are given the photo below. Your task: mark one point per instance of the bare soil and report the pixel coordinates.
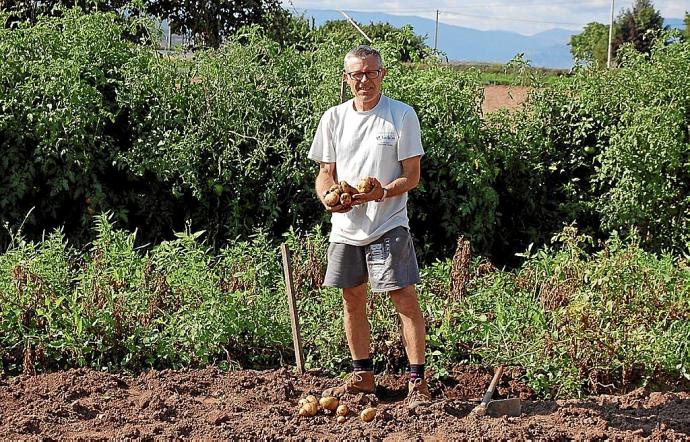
(207, 403)
(503, 97)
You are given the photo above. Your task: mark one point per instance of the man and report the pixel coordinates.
(374, 136)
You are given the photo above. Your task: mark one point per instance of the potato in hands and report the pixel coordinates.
(365, 185)
(342, 193)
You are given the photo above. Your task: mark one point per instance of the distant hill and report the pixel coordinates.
(676, 23)
(545, 49)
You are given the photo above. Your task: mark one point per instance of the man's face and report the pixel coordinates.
(366, 90)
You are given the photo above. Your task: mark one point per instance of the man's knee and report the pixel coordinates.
(405, 301)
(355, 298)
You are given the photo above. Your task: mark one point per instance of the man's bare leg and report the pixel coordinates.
(356, 321)
(357, 332)
(413, 327)
(413, 331)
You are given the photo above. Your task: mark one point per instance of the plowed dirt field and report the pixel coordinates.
(251, 405)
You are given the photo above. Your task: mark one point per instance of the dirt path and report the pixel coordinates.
(262, 405)
(499, 96)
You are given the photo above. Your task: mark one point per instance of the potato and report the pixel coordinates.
(309, 409)
(342, 410)
(302, 402)
(331, 199)
(311, 398)
(365, 185)
(341, 419)
(334, 188)
(368, 414)
(345, 199)
(328, 403)
(346, 188)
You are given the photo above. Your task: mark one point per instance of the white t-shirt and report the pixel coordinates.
(371, 143)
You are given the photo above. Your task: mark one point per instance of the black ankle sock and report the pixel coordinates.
(416, 371)
(363, 364)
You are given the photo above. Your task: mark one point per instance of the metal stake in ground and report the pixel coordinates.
(292, 304)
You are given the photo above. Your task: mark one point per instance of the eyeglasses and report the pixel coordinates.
(359, 76)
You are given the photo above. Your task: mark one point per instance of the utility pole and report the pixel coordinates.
(608, 60)
(436, 34)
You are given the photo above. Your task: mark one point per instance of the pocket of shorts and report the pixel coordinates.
(379, 258)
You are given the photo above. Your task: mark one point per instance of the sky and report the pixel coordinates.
(523, 16)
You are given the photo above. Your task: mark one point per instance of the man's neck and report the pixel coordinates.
(364, 107)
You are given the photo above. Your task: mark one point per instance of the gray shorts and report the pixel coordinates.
(389, 263)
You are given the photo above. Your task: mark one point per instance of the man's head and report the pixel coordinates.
(364, 72)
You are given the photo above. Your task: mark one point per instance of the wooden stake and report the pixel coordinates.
(342, 91)
(292, 304)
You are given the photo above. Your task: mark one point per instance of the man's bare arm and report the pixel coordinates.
(326, 178)
(408, 180)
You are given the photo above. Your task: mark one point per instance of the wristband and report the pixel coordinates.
(385, 192)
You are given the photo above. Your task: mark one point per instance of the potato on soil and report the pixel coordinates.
(365, 185)
(346, 199)
(311, 398)
(342, 410)
(368, 414)
(341, 419)
(328, 403)
(309, 409)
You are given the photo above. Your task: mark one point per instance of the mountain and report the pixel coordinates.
(545, 49)
(676, 23)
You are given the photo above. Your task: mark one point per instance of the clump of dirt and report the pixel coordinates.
(212, 404)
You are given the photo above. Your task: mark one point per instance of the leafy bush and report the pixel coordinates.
(219, 137)
(608, 149)
(576, 323)
(115, 307)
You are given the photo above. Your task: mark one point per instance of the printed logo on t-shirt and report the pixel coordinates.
(386, 139)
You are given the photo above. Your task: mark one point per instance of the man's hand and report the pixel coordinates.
(376, 193)
(340, 208)
(326, 178)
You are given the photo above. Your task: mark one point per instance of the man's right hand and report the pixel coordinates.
(326, 178)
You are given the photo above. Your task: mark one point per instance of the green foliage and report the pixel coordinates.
(644, 174)
(456, 188)
(577, 323)
(210, 22)
(93, 122)
(220, 137)
(115, 307)
(591, 45)
(58, 122)
(409, 46)
(29, 11)
(638, 26)
(606, 148)
(686, 31)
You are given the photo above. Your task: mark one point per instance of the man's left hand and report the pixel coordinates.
(375, 194)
